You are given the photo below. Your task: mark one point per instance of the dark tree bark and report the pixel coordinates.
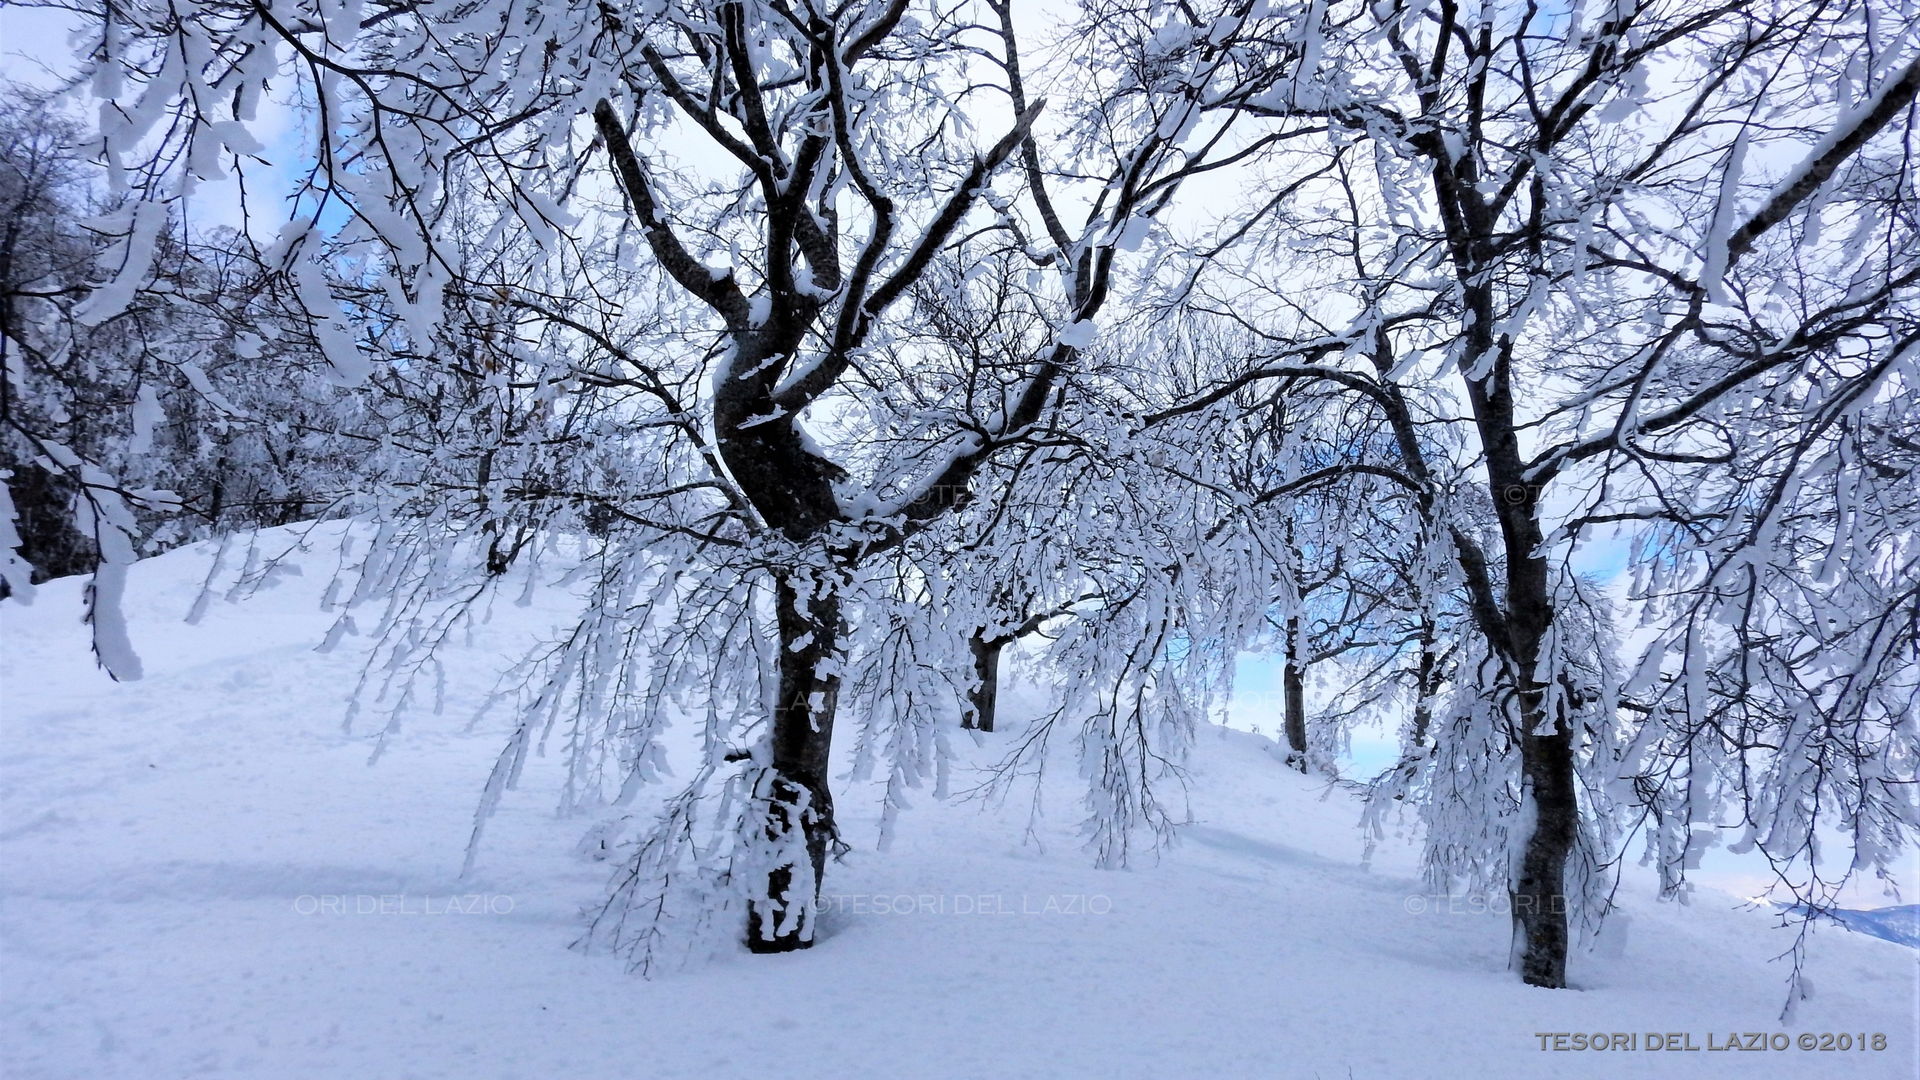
(1426, 681)
(1518, 627)
(988, 649)
(1518, 632)
(1546, 740)
(49, 542)
(1293, 677)
(1470, 212)
(1539, 894)
(795, 782)
(984, 697)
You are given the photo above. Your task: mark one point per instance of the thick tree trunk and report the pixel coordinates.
(1293, 677)
(1539, 892)
(795, 785)
(984, 698)
(791, 488)
(1539, 888)
(49, 542)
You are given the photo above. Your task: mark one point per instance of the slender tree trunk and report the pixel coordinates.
(795, 783)
(1538, 889)
(983, 699)
(1425, 681)
(1293, 677)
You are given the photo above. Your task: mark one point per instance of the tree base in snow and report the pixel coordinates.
(786, 944)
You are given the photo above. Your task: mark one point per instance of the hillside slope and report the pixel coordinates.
(205, 876)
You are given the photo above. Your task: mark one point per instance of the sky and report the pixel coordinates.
(34, 44)
(37, 50)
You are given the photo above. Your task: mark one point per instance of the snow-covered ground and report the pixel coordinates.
(202, 875)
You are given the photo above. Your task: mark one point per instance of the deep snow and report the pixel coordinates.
(204, 876)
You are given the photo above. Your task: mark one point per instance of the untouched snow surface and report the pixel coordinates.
(204, 876)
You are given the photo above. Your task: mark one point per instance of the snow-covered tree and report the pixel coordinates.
(651, 271)
(1622, 253)
(130, 414)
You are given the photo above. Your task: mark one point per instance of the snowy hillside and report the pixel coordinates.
(205, 876)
